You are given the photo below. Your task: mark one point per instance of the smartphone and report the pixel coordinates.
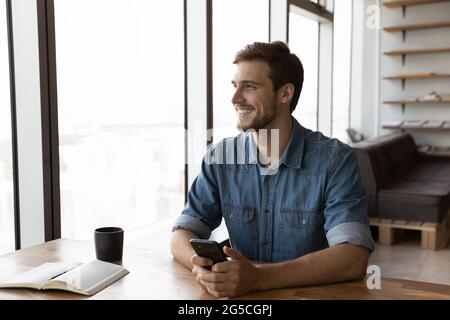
(208, 249)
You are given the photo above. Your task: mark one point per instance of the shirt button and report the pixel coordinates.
(266, 211)
(304, 221)
(231, 216)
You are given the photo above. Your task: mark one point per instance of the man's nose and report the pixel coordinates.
(237, 97)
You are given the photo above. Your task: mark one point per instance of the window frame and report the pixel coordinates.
(49, 119)
(325, 17)
(316, 11)
(323, 13)
(10, 44)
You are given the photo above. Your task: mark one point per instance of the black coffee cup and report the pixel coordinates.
(109, 243)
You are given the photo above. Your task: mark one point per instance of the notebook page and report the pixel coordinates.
(38, 277)
(89, 275)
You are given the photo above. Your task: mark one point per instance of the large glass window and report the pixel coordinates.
(342, 68)
(304, 42)
(7, 241)
(236, 23)
(121, 114)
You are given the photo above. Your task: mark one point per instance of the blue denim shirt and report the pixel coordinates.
(314, 199)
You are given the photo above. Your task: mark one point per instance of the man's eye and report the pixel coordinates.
(250, 86)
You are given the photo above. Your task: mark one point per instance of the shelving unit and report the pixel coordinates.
(403, 103)
(405, 53)
(413, 77)
(416, 129)
(428, 125)
(418, 102)
(404, 77)
(416, 52)
(407, 3)
(419, 26)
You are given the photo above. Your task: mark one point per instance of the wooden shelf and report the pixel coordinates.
(412, 76)
(418, 26)
(407, 3)
(418, 102)
(416, 129)
(416, 51)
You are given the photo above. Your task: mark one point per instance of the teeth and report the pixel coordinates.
(244, 111)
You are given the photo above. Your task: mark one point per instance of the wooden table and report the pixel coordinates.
(154, 274)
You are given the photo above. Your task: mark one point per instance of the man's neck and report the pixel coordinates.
(272, 141)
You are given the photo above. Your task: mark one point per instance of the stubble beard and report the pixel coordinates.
(261, 120)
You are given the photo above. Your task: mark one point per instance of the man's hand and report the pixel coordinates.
(199, 267)
(232, 278)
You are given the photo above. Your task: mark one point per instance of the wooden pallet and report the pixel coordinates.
(434, 235)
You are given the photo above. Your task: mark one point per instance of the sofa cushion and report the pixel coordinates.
(379, 163)
(387, 157)
(431, 170)
(425, 201)
(402, 154)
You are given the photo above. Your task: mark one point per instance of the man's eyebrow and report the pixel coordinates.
(246, 82)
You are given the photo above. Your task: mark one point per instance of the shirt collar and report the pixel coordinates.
(292, 155)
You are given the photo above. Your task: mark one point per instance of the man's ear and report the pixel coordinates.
(286, 92)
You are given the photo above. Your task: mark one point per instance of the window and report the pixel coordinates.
(304, 42)
(236, 23)
(342, 68)
(7, 241)
(121, 114)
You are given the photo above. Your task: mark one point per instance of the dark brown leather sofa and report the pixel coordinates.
(402, 184)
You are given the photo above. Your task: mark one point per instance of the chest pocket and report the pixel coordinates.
(297, 218)
(241, 225)
(301, 232)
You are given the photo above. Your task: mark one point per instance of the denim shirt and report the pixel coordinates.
(312, 200)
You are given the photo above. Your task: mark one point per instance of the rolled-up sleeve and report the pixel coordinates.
(201, 214)
(192, 224)
(346, 215)
(351, 232)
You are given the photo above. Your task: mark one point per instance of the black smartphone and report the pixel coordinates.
(209, 249)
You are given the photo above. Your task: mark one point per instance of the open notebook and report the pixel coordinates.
(83, 278)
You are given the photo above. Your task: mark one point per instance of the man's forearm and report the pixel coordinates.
(335, 264)
(180, 247)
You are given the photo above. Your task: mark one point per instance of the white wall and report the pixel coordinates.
(392, 90)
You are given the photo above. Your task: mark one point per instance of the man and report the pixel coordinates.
(297, 215)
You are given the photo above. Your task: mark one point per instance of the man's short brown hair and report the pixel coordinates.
(285, 67)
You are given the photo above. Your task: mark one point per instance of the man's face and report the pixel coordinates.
(254, 100)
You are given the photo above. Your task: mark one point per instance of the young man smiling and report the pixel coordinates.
(305, 222)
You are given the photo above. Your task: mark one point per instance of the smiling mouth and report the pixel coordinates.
(244, 110)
